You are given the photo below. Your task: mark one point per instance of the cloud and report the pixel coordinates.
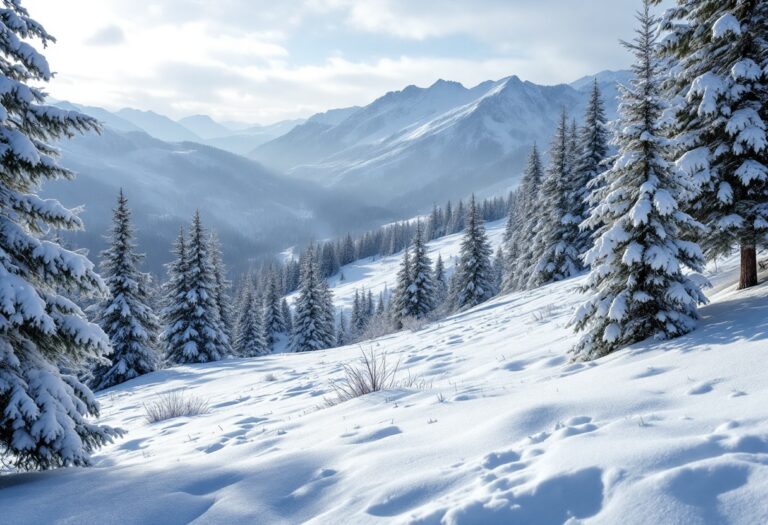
(264, 60)
(110, 35)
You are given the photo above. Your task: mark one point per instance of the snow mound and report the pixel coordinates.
(502, 429)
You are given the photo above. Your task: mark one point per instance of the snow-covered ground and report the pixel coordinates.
(503, 430)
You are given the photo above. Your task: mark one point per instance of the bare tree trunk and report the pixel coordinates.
(748, 275)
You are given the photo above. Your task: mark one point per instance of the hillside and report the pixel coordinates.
(256, 211)
(499, 427)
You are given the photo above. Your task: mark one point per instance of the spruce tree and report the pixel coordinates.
(285, 311)
(401, 296)
(222, 286)
(638, 282)
(342, 333)
(251, 338)
(591, 154)
(125, 316)
(556, 240)
(720, 81)
(421, 292)
(520, 242)
(441, 282)
(175, 305)
(43, 413)
(498, 268)
(194, 332)
(311, 328)
(273, 315)
(474, 273)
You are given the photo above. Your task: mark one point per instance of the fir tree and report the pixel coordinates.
(194, 333)
(401, 296)
(251, 338)
(523, 219)
(222, 285)
(421, 292)
(474, 273)
(125, 315)
(591, 154)
(639, 288)
(286, 315)
(273, 315)
(721, 83)
(556, 240)
(498, 268)
(342, 333)
(313, 327)
(441, 282)
(43, 413)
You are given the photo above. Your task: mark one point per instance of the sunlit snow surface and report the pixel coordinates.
(507, 430)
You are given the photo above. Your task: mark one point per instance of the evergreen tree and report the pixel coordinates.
(556, 240)
(401, 296)
(474, 273)
(272, 322)
(311, 328)
(125, 315)
(524, 218)
(222, 285)
(194, 333)
(43, 413)
(175, 305)
(421, 292)
(251, 338)
(498, 268)
(639, 288)
(441, 282)
(721, 82)
(591, 154)
(286, 315)
(342, 334)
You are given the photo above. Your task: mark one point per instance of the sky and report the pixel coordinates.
(263, 61)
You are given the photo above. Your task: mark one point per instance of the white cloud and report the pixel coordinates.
(233, 58)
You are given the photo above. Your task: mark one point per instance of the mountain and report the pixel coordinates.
(413, 147)
(243, 140)
(204, 127)
(255, 211)
(158, 126)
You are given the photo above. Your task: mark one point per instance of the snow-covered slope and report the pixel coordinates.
(500, 429)
(420, 145)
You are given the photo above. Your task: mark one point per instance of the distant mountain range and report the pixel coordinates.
(417, 146)
(268, 187)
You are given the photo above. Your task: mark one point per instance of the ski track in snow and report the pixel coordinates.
(506, 429)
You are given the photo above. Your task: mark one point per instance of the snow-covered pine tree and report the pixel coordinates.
(721, 82)
(273, 315)
(498, 268)
(441, 282)
(43, 413)
(193, 328)
(401, 296)
(286, 314)
(592, 152)
(639, 288)
(474, 273)
(311, 328)
(125, 316)
(555, 242)
(176, 308)
(251, 338)
(222, 286)
(421, 292)
(342, 332)
(524, 225)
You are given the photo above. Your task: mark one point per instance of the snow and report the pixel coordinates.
(504, 429)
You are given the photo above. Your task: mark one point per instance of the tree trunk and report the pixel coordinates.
(748, 276)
